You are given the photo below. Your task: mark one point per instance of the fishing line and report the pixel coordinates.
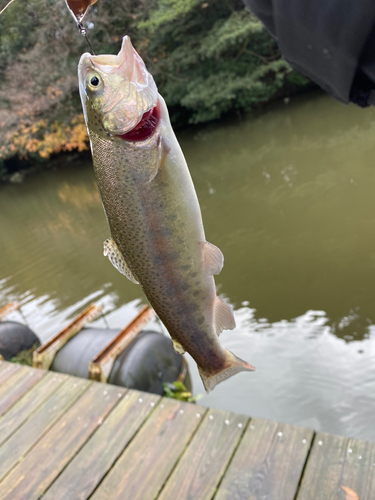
(7, 5)
(78, 10)
(105, 321)
(81, 28)
(19, 309)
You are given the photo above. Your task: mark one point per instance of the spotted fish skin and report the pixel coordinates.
(153, 212)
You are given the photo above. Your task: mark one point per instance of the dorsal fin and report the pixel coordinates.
(223, 316)
(213, 258)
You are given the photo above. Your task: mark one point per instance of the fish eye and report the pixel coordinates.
(93, 81)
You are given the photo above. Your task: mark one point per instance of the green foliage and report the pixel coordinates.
(207, 58)
(230, 32)
(25, 357)
(13, 24)
(178, 391)
(213, 58)
(167, 11)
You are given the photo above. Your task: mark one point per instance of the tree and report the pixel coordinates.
(207, 58)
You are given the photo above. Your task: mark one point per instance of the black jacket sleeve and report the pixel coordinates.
(330, 41)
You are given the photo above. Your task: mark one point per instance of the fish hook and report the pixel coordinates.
(78, 9)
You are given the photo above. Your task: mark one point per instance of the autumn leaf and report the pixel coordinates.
(350, 494)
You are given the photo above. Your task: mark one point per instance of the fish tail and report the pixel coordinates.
(232, 366)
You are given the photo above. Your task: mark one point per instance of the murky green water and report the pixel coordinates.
(289, 199)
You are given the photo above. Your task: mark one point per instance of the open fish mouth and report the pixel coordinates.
(146, 126)
(123, 93)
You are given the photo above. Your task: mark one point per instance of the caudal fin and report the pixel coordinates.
(234, 365)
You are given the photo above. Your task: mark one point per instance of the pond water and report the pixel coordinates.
(288, 196)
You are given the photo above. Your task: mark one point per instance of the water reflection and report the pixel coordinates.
(296, 233)
(288, 197)
(80, 196)
(305, 375)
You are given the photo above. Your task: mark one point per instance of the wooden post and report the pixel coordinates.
(101, 365)
(43, 356)
(9, 308)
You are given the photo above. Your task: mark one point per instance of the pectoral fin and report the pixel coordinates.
(163, 150)
(223, 316)
(213, 258)
(113, 253)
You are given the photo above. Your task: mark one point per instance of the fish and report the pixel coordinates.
(157, 238)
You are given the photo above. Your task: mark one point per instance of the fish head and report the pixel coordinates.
(118, 94)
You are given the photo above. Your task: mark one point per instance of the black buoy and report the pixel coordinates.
(14, 338)
(147, 363)
(75, 356)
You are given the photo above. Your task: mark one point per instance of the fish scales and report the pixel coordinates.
(157, 235)
(159, 242)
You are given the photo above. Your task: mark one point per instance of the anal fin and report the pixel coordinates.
(223, 316)
(213, 258)
(178, 347)
(116, 258)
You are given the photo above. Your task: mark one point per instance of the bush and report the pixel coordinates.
(207, 58)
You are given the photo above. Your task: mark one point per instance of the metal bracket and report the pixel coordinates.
(101, 365)
(43, 356)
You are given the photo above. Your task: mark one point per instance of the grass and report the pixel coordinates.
(25, 357)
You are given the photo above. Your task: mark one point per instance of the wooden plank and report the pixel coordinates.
(268, 462)
(7, 309)
(88, 468)
(8, 370)
(16, 386)
(29, 403)
(337, 461)
(16, 448)
(142, 469)
(17, 373)
(3, 365)
(204, 462)
(17, 376)
(32, 477)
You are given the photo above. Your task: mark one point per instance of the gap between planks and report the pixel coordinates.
(7, 373)
(182, 454)
(143, 468)
(92, 469)
(231, 458)
(149, 416)
(210, 449)
(127, 445)
(19, 384)
(305, 465)
(29, 404)
(45, 413)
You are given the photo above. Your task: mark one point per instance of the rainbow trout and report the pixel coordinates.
(157, 236)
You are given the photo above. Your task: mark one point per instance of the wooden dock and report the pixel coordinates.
(67, 438)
